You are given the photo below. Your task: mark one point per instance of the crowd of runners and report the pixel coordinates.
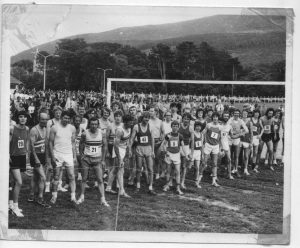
(76, 134)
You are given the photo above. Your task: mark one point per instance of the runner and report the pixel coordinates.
(276, 137)
(187, 151)
(246, 141)
(38, 159)
(79, 131)
(121, 143)
(225, 133)
(212, 134)
(238, 128)
(172, 143)
(19, 153)
(63, 153)
(256, 129)
(198, 141)
(156, 125)
(174, 110)
(93, 147)
(267, 124)
(111, 134)
(144, 149)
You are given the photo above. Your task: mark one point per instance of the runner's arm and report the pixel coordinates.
(51, 142)
(33, 138)
(104, 150)
(132, 137)
(192, 140)
(246, 130)
(73, 138)
(261, 127)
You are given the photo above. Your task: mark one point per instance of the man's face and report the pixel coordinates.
(236, 114)
(175, 128)
(118, 119)
(200, 114)
(94, 125)
(198, 128)
(226, 117)
(43, 119)
(81, 111)
(145, 120)
(105, 114)
(152, 112)
(115, 107)
(270, 114)
(132, 111)
(245, 114)
(168, 116)
(277, 115)
(215, 119)
(209, 113)
(57, 114)
(22, 119)
(256, 115)
(186, 120)
(174, 109)
(77, 122)
(65, 120)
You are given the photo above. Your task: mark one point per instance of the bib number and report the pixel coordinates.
(275, 127)
(174, 143)
(267, 127)
(94, 149)
(77, 145)
(20, 144)
(198, 143)
(214, 135)
(43, 148)
(254, 128)
(144, 139)
(224, 134)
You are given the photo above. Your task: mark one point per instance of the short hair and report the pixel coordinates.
(199, 110)
(106, 110)
(77, 116)
(145, 114)
(175, 122)
(173, 104)
(22, 112)
(118, 112)
(269, 110)
(236, 110)
(197, 123)
(256, 111)
(93, 119)
(66, 112)
(188, 115)
(128, 118)
(131, 107)
(156, 109)
(56, 109)
(215, 114)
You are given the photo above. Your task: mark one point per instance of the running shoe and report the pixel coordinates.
(157, 177)
(53, 200)
(17, 212)
(179, 192)
(246, 173)
(42, 203)
(152, 192)
(255, 170)
(60, 188)
(182, 186)
(125, 195)
(198, 186)
(110, 191)
(105, 204)
(47, 188)
(79, 178)
(80, 200)
(30, 198)
(66, 186)
(271, 168)
(166, 188)
(215, 184)
(230, 177)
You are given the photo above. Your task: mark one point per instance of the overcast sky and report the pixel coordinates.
(31, 25)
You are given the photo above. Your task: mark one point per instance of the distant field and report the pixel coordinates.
(246, 205)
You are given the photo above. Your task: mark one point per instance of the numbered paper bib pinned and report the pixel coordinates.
(275, 127)
(77, 145)
(173, 143)
(43, 148)
(21, 144)
(214, 135)
(94, 149)
(144, 139)
(267, 127)
(198, 143)
(254, 128)
(224, 134)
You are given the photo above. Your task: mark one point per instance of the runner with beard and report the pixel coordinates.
(38, 160)
(93, 147)
(19, 153)
(226, 129)
(144, 149)
(111, 134)
(187, 151)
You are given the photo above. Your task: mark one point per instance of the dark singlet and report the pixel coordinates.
(213, 135)
(247, 137)
(143, 138)
(18, 141)
(39, 144)
(255, 127)
(267, 124)
(186, 134)
(173, 142)
(197, 142)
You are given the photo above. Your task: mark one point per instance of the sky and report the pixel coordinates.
(27, 26)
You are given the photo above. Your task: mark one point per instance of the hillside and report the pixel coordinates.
(241, 35)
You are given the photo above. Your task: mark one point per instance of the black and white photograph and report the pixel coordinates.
(139, 123)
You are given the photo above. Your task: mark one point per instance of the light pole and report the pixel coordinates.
(45, 63)
(104, 71)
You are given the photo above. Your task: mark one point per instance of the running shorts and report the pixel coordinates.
(196, 155)
(41, 157)
(255, 141)
(266, 137)
(208, 149)
(173, 158)
(244, 144)
(236, 142)
(63, 159)
(144, 151)
(185, 150)
(18, 162)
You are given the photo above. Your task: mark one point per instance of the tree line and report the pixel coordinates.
(75, 68)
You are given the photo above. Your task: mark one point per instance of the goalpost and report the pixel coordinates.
(135, 80)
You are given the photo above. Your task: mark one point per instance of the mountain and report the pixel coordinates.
(231, 31)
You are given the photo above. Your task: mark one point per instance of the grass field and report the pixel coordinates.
(246, 205)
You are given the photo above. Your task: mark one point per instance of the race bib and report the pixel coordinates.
(267, 127)
(21, 144)
(144, 139)
(214, 135)
(31, 111)
(77, 145)
(224, 134)
(254, 128)
(94, 149)
(43, 148)
(198, 143)
(174, 143)
(275, 127)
